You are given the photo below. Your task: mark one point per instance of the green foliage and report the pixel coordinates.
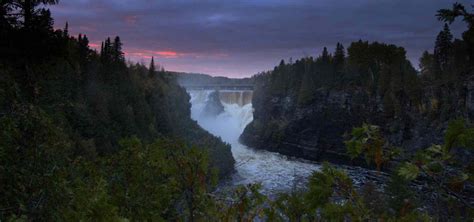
(437, 164)
(459, 134)
(442, 168)
(368, 140)
(293, 205)
(247, 204)
(333, 183)
(401, 199)
(88, 198)
(409, 171)
(34, 163)
(64, 109)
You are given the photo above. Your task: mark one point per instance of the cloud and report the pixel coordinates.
(243, 37)
(149, 53)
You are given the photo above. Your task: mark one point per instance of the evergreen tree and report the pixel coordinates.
(28, 9)
(426, 64)
(117, 50)
(339, 56)
(83, 43)
(105, 54)
(152, 69)
(282, 63)
(325, 55)
(339, 60)
(458, 10)
(66, 30)
(442, 48)
(101, 51)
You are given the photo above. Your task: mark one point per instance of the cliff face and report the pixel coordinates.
(316, 131)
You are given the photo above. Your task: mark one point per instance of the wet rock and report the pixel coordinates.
(213, 105)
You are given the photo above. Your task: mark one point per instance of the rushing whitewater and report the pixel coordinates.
(275, 172)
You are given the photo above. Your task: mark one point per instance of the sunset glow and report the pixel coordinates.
(242, 38)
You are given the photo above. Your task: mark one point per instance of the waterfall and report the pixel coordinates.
(274, 171)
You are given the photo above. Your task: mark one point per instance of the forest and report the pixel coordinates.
(87, 136)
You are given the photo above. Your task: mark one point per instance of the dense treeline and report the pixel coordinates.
(87, 137)
(63, 110)
(380, 77)
(382, 70)
(306, 108)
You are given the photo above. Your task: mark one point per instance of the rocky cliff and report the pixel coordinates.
(316, 130)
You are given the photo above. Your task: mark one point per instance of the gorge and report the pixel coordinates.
(90, 132)
(274, 171)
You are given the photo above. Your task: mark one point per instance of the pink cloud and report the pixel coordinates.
(141, 53)
(167, 53)
(94, 45)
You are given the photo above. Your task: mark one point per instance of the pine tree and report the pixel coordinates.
(282, 63)
(442, 48)
(426, 64)
(117, 50)
(106, 51)
(325, 55)
(339, 57)
(458, 10)
(83, 47)
(152, 69)
(339, 60)
(28, 9)
(66, 30)
(102, 51)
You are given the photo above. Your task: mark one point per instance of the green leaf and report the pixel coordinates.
(436, 149)
(409, 171)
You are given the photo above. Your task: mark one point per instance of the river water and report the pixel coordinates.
(276, 173)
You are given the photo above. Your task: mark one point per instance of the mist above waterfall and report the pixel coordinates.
(274, 171)
(227, 125)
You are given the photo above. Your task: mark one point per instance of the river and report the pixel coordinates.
(276, 173)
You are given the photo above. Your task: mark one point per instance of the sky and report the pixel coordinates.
(239, 38)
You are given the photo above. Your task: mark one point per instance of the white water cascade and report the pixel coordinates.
(276, 173)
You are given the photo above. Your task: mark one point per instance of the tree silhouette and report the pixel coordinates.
(339, 56)
(458, 10)
(152, 69)
(117, 53)
(28, 9)
(66, 30)
(442, 47)
(325, 55)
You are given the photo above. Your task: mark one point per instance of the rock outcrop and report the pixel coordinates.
(316, 131)
(213, 106)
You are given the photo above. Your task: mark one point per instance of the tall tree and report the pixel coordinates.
(29, 9)
(84, 51)
(442, 47)
(66, 30)
(339, 57)
(117, 50)
(106, 51)
(458, 10)
(426, 64)
(325, 55)
(152, 69)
